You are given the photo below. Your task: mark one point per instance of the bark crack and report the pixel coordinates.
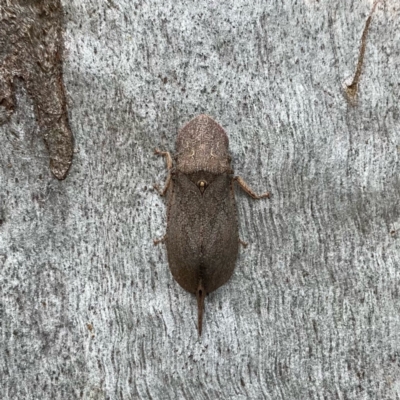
(352, 89)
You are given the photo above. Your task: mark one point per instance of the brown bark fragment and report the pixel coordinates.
(31, 48)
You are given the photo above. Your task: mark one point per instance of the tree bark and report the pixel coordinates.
(308, 93)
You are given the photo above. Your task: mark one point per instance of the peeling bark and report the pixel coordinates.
(352, 89)
(31, 48)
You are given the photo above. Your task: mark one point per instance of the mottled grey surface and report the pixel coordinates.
(88, 306)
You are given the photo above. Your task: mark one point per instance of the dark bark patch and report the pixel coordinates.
(31, 48)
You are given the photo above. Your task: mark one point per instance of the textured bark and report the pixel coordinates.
(89, 308)
(31, 49)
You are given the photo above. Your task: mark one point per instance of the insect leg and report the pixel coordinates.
(169, 166)
(247, 189)
(158, 241)
(243, 243)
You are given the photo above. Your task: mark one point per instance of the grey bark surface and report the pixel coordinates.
(88, 307)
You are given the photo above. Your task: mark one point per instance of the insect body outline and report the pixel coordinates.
(202, 236)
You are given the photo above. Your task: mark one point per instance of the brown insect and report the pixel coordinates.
(202, 229)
